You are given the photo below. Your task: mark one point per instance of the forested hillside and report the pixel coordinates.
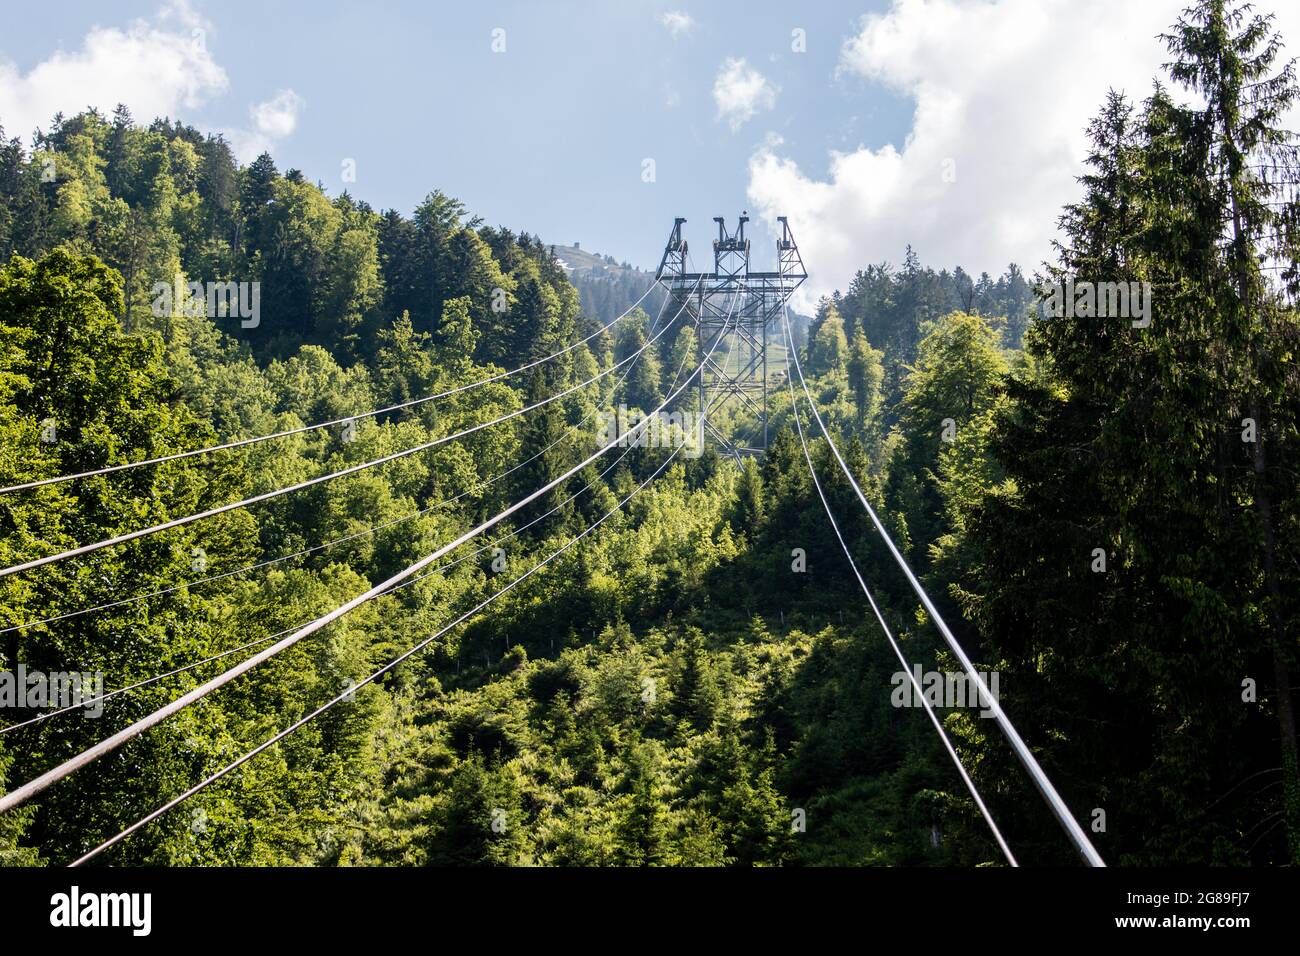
(607, 288)
(1085, 497)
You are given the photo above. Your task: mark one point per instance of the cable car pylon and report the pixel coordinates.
(704, 296)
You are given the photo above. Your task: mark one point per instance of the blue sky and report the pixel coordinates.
(953, 125)
(548, 136)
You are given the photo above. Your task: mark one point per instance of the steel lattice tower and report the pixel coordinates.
(709, 298)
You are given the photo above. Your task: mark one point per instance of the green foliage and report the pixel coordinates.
(1128, 444)
(698, 682)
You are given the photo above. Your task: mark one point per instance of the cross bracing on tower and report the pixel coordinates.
(739, 377)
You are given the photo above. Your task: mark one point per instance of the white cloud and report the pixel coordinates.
(1003, 90)
(677, 22)
(740, 92)
(156, 67)
(272, 120)
(278, 116)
